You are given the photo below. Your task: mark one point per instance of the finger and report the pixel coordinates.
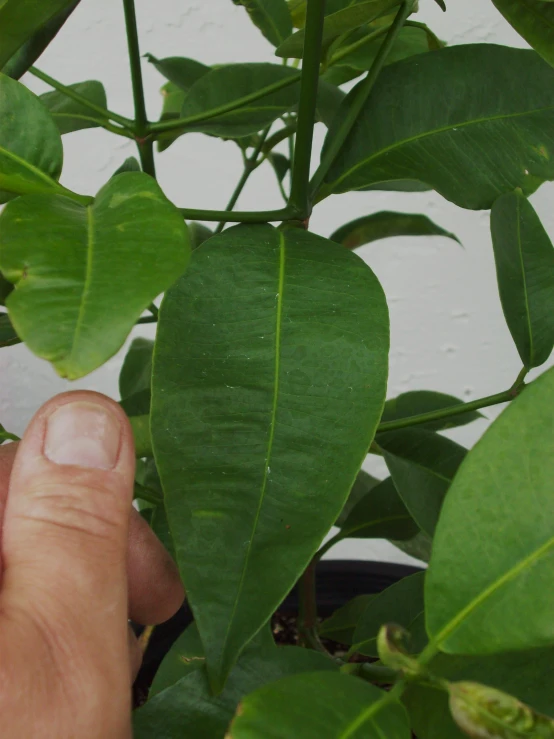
(155, 589)
(7, 456)
(66, 526)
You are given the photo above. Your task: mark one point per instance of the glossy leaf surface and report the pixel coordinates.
(526, 675)
(342, 624)
(189, 709)
(262, 409)
(272, 17)
(232, 85)
(422, 465)
(400, 604)
(415, 402)
(63, 258)
(319, 706)
(72, 116)
(21, 19)
(385, 225)
(534, 20)
(31, 153)
(380, 514)
(524, 258)
(343, 21)
(497, 519)
(470, 136)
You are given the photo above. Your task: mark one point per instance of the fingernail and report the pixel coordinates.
(83, 434)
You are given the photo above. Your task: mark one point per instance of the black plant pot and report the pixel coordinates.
(338, 581)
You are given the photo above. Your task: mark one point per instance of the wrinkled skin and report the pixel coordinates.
(76, 562)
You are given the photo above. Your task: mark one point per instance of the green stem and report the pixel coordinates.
(163, 126)
(147, 319)
(307, 608)
(250, 164)
(359, 100)
(299, 194)
(329, 545)
(371, 672)
(145, 143)
(153, 308)
(237, 216)
(454, 410)
(104, 112)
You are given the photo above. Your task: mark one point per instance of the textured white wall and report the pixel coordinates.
(448, 332)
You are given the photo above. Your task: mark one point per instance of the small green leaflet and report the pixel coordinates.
(72, 116)
(272, 17)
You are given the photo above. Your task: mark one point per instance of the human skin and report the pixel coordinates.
(77, 561)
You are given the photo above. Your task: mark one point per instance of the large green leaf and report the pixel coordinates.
(180, 71)
(320, 706)
(416, 402)
(534, 20)
(362, 485)
(525, 267)
(528, 675)
(384, 225)
(189, 709)
(381, 514)
(342, 624)
(272, 17)
(71, 116)
(233, 85)
(498, 520)
(471, 136)
(269, 376)
(27, 54)
(422, 465)
(21, 19)
(83, 275)
(31, 153)
(401, 604)
(8, 337)
(336, 24)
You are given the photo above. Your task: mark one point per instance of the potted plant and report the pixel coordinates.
(265, 388)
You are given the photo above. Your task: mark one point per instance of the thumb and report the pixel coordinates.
(66, 524)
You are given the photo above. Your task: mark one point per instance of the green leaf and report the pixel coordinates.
(5, 289)
(281, 165)
(21, 19)
(31, 153)
(416, 402)
(419, 547)
(401, 604)
(526, 674)
(8, 337)
(362, 485)
(27, 54)
(341, 625)
(72, 116)
(180, 71)
(384, 225)
(534, 20)
(189, 709)
(336, 24)
(459, 112)
(320, 706)
(185, 656)
(83, 275)
(381, 514)
(131, 164)
(256, 410)
(173, 99)
(422, 465)
(329, 100)
(6, 436)
(234, 85)
(135, 378)
(199, 234)
(497, 520)
(525, 268)
(272, 17)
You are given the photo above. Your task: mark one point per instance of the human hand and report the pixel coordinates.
(77, 562)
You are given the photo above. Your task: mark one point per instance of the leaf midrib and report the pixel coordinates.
(31, 167)
(524, 281)
(278, 322)
(86, 284)
(434, 132)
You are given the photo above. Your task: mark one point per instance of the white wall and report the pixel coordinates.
(448, 332)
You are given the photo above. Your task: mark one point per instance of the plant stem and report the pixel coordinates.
(328, 545)
(238, 216)
(106, 114)
(358, 101)
(164, 126)
(454, 410)
(250, 164)
(147, 319)
(299, 194)
(153, 308)
(371, 672)
(307, 608)
(145, 143)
